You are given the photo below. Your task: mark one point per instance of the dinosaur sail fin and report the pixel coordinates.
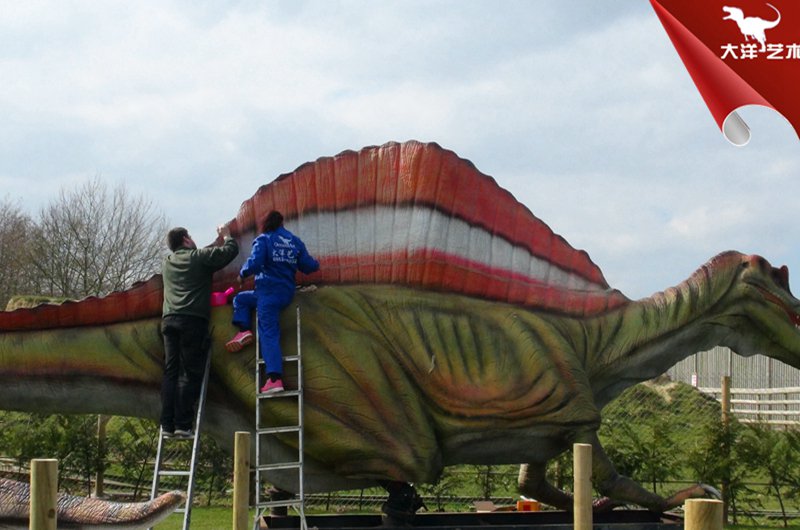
(411, 214)
(417, 215)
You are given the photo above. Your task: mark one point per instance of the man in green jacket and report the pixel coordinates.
(187, 274)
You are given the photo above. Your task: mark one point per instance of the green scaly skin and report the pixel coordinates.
(400, 382)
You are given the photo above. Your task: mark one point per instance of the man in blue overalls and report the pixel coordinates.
(276, 256)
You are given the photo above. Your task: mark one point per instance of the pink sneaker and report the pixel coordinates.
(239, 341)
(271, 387)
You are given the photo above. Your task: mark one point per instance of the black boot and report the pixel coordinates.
(402, 504)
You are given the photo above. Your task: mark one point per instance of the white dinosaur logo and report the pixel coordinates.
(285, 240)
(752, 27)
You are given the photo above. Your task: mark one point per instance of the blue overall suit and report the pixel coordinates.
(274, 259)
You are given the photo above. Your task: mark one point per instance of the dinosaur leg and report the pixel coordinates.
(277, 494)
(533, 483)
(623, 489)
(402, 504)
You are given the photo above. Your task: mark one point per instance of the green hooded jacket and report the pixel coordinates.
(187, 275)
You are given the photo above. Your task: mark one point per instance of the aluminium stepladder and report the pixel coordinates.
(163, 439)
(297, 501)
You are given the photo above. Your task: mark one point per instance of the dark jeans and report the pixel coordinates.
(185, 350)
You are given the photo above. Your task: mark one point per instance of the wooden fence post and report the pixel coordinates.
(44, 494)
(582, 489)
(726, 429)
(241, 479)
(702, 514)
(726, 399)
(99, 478)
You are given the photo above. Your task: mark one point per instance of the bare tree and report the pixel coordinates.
(90, 241)
(15, 229)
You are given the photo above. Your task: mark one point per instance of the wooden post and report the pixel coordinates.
(241, 479)
(726, 400)
(44, 494)
(99, 478)
(726, 422)
(702, 514)
(582, 499)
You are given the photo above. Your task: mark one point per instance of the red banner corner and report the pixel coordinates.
(738, 52)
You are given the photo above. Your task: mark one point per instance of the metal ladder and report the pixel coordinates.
(297, 501)
(195, 438)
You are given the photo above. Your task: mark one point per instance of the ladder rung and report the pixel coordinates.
(285, 393)
(174, 473)
(278, 430)
(282, 465)
(289, 358)
(275, 504)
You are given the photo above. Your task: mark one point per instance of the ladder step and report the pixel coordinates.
(174, 473)
(275, 504)
(282, 465)
(278, 430)
(288, 358)
(285, 393)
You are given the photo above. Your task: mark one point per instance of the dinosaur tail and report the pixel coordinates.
(96, 514)
(86, 513)
(775, 22)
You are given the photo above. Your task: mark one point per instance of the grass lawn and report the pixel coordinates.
(213, 518)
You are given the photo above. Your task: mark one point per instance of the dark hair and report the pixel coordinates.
(175, 238)
(273, 221)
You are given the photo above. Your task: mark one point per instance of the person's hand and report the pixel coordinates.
(223, 230)
(240, 281)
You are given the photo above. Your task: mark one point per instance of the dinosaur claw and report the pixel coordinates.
(711, 491)
(605, 504)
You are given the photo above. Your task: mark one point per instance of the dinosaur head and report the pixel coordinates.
(734, 13)
(758, 311)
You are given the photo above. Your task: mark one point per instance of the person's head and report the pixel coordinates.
(179, 237)
(273, 221)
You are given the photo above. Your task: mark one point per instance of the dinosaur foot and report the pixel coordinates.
(276, 494)
(401, 507)
(698, 491)
(605, 504)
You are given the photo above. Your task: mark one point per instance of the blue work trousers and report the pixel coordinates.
(268, 305)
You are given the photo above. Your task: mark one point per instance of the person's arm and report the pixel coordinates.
(305, 261)
(257, 259)
(217, 257)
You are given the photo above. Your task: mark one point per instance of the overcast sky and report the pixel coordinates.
(583, 110)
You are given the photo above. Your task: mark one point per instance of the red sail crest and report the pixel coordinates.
(418, 215)
(410, 214)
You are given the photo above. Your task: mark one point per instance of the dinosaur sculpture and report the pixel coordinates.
(451, 326)
(85, 512)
